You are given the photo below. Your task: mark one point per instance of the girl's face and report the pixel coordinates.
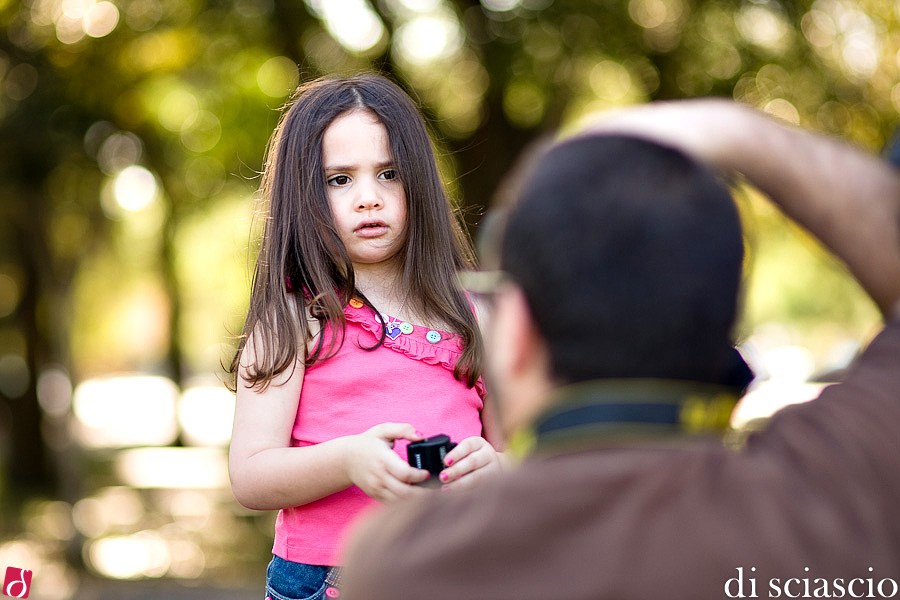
(364, 189)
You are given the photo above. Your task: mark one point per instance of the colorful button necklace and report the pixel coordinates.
(393, 328)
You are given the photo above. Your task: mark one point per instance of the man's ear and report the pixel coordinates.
(519, 359)
(524, 344)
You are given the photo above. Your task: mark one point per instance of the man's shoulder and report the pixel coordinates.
(505, 513)
(876, 367)
(545, 516)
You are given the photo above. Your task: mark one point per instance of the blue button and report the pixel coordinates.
(433, 336)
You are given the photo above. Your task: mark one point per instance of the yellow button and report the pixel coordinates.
(356, 303)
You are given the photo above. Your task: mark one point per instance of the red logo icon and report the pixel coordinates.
(17, 582)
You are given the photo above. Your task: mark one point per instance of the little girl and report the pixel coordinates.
(357, 340)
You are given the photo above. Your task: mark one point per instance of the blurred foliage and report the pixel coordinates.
(132, 134)
(187, 92)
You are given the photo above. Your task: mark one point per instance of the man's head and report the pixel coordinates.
(626, 261)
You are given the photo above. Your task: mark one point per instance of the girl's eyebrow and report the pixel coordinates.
(378, 166)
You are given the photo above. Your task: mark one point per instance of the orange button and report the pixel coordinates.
(356, 303)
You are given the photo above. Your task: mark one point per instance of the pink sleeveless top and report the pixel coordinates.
(409, 379)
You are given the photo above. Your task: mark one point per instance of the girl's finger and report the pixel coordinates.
(395, 489)
(394, 431)
(463, 449)
(469, 464)
(404, 473)
(466, 481)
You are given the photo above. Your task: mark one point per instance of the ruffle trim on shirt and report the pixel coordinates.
(444, 353)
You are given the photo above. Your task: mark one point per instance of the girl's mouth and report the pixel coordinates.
(371, 229)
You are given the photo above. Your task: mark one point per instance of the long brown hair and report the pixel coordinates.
(303, 268)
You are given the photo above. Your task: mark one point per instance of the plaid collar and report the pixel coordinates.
(623, 412)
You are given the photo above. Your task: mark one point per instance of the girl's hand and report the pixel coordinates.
(372, 465)
(470, 462)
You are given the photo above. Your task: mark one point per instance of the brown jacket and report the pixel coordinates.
(810, 505)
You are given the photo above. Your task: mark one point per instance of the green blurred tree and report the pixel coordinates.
(132, 133)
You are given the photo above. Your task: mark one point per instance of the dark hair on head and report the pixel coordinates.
(301, 246)
(630, 256)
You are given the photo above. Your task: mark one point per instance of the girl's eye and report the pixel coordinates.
(389, 174)
(338, 180)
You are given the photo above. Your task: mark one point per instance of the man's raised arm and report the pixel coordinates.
(848, 198)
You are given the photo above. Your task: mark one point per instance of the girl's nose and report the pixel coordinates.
(369, 203)
(369, 198)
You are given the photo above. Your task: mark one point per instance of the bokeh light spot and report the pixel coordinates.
(423, 6)
(14, 376)
(206, 414)
(177, 108)
(278, 76)
(204, 176)
(353, 23)
(783, 109)
(173, 468)
(762, 26)
(134, 188)
(142, 15)
(9, 295)
(648, 13)
(20, 81)
(202, 132)
(101, 19)
(500, 5)
(126, 411)
(523, 103)
(119, 150)
(610, 80)
(424, 39)
(69, 30)
(143, 554)
(111, 507)
(54, 389)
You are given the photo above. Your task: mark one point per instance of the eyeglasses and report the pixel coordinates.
(482, 284)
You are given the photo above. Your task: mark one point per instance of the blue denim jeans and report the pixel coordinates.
(287, 580)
